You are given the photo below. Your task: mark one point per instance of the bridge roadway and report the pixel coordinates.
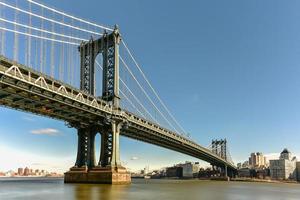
(24, 89)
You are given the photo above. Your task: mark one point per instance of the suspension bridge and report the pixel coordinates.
(64, 67)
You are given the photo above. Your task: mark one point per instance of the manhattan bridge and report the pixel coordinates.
(64, 67)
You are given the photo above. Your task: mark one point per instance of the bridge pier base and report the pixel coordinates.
(102, 175)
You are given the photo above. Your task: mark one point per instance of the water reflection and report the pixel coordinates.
(99, 192)
(55, 189)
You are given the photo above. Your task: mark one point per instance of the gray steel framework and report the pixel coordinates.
(108, 47)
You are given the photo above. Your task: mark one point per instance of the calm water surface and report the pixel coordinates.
(140, 189)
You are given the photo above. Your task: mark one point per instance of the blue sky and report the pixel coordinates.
(226, 69)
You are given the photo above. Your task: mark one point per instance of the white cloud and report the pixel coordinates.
(134, 158)
(46, 131)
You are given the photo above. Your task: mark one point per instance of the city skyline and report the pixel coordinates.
(246, 87)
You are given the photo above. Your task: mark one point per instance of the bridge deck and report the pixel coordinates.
(24, 89)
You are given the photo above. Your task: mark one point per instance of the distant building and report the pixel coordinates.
(10, 173)
(26, 171)
(174, 172)
(257, 160)
(244, 172)
(285, 155)
(190, 170)
(298, 171)
(245, 164)
(253, 173)
(20, 171)
(284, 168)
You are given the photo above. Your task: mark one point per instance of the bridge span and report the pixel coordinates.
(24, 89)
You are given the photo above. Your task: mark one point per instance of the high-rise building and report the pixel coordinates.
(26, 171)
(285, 154)
(20, 171)
(257, 160)
(284, 168)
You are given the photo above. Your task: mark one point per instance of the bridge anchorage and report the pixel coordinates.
(109, 169)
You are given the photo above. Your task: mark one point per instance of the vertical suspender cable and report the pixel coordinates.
(52, 49)
(16, 38)
(63, 55)
(72, 58)
(36, 55)
(42, 44)
(69, 62)
(29, 38)
(26, 49)
(61, 66)
(2, 32)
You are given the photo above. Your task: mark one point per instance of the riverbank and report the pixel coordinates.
(227, 179)
(262, 180)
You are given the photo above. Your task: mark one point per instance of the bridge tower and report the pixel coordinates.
(108, 169)
(219, 147)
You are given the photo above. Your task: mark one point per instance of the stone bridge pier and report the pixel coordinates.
(108, 170)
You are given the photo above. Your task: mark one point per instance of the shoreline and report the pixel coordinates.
(249, 180)
(263, 180)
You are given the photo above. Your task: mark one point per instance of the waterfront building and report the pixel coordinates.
(298, 171)
(190, 170)
(244, 172)
(20, 171)
(284, 168)
(175, 171)
(257, 160)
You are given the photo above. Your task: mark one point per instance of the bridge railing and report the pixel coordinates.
(34, 78)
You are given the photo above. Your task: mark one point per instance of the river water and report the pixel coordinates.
(140, 189)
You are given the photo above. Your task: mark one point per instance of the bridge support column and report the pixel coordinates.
(109, 169)
(85, 155)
